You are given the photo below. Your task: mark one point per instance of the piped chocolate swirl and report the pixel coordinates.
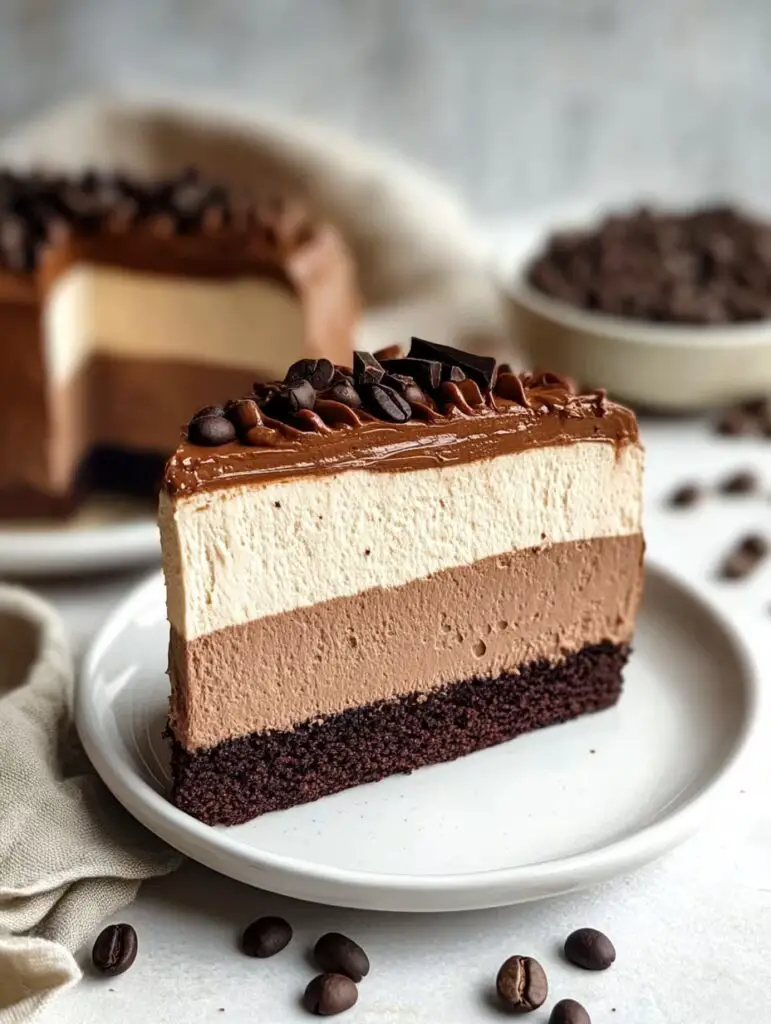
(436, 405)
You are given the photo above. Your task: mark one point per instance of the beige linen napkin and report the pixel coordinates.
(69, 854)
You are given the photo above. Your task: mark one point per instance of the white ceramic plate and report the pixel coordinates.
(553, 811)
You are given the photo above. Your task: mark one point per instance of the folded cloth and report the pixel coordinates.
(70, 856)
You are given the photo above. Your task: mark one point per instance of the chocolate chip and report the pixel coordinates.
(344, 392)
(266, 936)
(425, 372)
(367, 369)
(337, 954)
(211, 431)
(744, 481)
(735, 423)
(244, 413)
(522, 984)
(568, 1011)
(479, 368)
(115, 950)
(685, 496)
(329, 994)
(386, 403)
(290, 399)
(318, 372)
(754, 546)
(590, 949)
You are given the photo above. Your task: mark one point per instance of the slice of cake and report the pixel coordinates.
(125, 304)
(373, 569)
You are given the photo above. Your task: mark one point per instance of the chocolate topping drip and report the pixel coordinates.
(367, 418)
(42, 210)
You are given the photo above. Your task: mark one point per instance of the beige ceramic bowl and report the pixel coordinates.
(667, 367)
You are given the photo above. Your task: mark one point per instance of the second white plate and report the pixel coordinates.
(552, 811)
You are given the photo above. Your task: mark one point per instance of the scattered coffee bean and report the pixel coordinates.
(337, 954)
(211, 431)
(367, 369)
(266, 936)
(568, 1011)
(115, 950)
(685, 496)
(386, 403)
(522, 984)
(589, 949)
(744, 557)
(742, 482)
(329, 994)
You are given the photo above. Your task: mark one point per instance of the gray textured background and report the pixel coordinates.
(516, 102)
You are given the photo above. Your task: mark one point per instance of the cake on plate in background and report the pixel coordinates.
(124, 304)
(375, 568)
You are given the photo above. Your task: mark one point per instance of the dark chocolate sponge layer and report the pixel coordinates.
(245, 777)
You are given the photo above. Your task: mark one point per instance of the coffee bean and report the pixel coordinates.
(318, 373)
(386, 403)
(337, 954)
(744, 557)
(208, 410)
(685, 496)
(744, 481)
(522, 984)
(115, 950)
(329, 994)
(589, 949)
(211, 431)
(568, 1011)
(266, 936)
(754, 546)
(344, 392)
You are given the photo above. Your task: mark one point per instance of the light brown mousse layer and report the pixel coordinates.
(475, 621)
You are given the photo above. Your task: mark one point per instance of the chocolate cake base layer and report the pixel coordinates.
(251, 775)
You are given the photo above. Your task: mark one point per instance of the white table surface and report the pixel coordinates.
(693, 931)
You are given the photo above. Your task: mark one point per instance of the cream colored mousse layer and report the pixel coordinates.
(241, 553)
(250, 323)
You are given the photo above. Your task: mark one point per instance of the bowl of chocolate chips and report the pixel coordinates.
(668, 310)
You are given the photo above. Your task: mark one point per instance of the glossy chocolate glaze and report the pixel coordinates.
(522, 411)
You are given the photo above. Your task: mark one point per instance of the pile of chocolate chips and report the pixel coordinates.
(33, 205)
(709, 266)
(386, 387)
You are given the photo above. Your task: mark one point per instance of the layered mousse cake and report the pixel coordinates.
(125, 304)
(375, 568)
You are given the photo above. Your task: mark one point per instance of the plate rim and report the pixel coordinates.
(291, 876)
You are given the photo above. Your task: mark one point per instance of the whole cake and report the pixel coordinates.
(375, 568)
(125, 304)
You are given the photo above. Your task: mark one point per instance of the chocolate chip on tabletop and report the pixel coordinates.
(590, 949)
(521, 984)
(266, 936)
(366, 368)
(337, 954)
(736, 422)
(330, 994)
(115, 949)
(568, 1011)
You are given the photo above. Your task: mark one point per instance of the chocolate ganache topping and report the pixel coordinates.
(435, 406)
(40, 210)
